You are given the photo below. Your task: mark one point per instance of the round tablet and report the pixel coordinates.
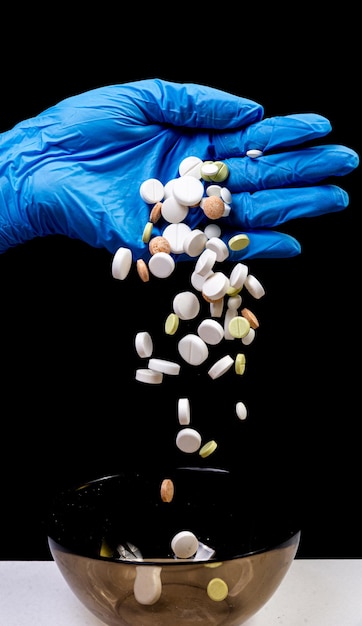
(121, 263)
(164, 366)
(210, 331)
(249, 338)
(194, 242)
(193, 349)
(239, 326)
(190, 166)
(238, 242)
(145, 375)
(221, 367)
(186, 305)
(219, 246)
(144, 344)
(176, 234)
(183, 411)
(254, 286)
(173, 211)
(207, 449)
(161, 264)
(152, 191)
(188, 440)
(184, 544)
(205, 262)
(212, 230)
(238, 275)
(188, 190)
(215, 286)
(217, 589)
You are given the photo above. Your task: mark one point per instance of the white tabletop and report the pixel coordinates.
(324, 592)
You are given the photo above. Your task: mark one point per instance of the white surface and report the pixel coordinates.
(313, 593)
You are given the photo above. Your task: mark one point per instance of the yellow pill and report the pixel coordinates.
(147, 231)
(239, 326)
(171, 324)
(222, 174)
(240, 364)
(238, 242)
(207, 449)
(105, 550)
(217, 589)
(231, 291)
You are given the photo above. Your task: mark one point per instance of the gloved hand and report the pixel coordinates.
(76, 168)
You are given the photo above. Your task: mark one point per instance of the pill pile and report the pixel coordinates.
(199, 187)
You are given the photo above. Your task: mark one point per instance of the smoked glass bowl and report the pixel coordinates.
(112, 540)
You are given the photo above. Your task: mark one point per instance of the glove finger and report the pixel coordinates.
(301, 167)
(263, 245)
(272, 133)
(269, 208)
(187, 104)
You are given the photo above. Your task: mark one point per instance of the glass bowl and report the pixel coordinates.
(205, 553)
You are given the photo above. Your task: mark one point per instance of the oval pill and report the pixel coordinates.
(241, 410)
(171, 324)
(142, 270)
(167, 490)
(253, 153)
(240, 362)
(188, 440)
(184, 544)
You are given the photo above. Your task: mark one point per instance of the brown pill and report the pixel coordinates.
(213, 207)
(252, 319)
(142, 270)
(167, 490)
(156, 212)
(159, 244)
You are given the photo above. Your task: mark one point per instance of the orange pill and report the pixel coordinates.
(167, 490)
(159, 244)
(252, 319)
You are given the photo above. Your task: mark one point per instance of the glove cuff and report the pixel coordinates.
(14, 229)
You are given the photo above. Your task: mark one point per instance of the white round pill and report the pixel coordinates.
(205, 262)
(215, 286)
(121, 263)
(194, 242)
(172, 211)
(152, 190)
(190, 166)
(219, 246)
(210, 331)
(188, 190)
(186, 305)
(212, 230)
(188, 440)
(249, 338)
(184, 544)
(175, 235)
(164, 366)
(144, 344)
(238, 275)
(221, 367)
(183, 411)
(145, 375)
(254, 286)
(241, 410)
(193, 349)
(161, 264)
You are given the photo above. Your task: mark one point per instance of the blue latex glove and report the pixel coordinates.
(76, 168)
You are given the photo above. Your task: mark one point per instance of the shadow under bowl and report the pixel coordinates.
(111, 540)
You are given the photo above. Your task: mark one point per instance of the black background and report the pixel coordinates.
(70, 409)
